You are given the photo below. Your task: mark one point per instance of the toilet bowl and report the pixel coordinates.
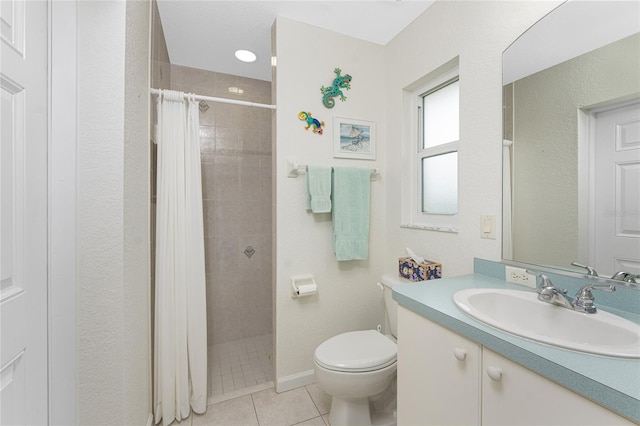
(357, 367)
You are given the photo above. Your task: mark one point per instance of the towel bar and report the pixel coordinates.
(294, 170)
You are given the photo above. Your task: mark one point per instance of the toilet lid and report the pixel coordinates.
(366, 350)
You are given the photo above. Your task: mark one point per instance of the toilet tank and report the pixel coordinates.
(390, 305)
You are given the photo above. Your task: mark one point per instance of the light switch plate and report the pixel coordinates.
(488, 226)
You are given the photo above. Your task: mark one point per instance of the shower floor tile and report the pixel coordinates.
(240, 367)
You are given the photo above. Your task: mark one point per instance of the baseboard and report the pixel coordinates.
(150, 420)
(294, 381)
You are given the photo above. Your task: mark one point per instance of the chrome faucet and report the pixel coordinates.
(583, 302)
(584, 299)
(620, 276)
(549, 294)
(626, 277)
(590, 271)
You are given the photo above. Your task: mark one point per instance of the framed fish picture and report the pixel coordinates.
(354, 139)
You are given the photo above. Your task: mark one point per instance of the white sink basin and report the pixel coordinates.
(522, 314)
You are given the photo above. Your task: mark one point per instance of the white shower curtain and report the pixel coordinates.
(180, 357)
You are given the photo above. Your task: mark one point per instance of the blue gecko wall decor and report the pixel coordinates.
(340, 82)
(311, 122)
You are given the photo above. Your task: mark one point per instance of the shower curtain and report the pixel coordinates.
(180, 356)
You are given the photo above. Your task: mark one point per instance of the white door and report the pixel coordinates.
(23, 212)
(617, 190)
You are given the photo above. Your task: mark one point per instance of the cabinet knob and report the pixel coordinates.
(460, 354)
(494, 373)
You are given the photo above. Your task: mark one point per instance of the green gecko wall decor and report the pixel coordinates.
(340, 82)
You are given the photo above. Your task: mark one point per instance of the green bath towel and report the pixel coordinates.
(351, 194)
(319, 189)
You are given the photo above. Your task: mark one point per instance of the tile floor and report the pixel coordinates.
(240, 367)
(241, 391)
(305, 406)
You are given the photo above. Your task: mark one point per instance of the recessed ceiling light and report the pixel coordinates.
(245, 55)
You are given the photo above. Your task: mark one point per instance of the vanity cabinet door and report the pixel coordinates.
(438, 374)
(513, 395)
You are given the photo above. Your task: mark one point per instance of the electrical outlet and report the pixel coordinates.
(519, 276)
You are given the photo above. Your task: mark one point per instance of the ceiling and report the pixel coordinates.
(205, 34)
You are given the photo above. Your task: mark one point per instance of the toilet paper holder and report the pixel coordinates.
(303, 285)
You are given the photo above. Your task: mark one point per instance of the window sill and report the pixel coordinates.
(447, 229)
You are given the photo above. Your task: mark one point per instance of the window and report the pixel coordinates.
(438, 149)
(433, 201)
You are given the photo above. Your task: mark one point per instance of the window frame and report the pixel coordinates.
(413, 216)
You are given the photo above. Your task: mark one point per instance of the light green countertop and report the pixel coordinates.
(611, 382)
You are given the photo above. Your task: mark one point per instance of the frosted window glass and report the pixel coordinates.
(440, 184)
(441, 116)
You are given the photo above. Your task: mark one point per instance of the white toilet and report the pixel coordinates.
(359, 367)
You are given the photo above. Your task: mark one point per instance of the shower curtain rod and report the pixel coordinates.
(222, 100)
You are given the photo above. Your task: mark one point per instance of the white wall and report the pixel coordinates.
(113, 362)
(477, 32)
(100, 211)
(348, 298)
(137, 199)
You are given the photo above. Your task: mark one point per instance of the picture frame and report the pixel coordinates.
(354, 139)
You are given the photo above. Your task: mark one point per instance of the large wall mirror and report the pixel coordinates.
(572, 139)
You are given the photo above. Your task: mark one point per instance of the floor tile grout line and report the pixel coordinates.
(295, 424)
(255, 411)
(314, 402)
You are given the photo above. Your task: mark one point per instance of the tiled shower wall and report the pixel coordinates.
(236, 185)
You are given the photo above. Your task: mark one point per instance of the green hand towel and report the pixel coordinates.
(351, 194)
(319, 189)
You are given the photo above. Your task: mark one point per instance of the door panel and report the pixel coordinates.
(617, 190)
(23, 211)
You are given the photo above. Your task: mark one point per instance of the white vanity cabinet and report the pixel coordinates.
(438, 374)
(514, 395)
(444, 378)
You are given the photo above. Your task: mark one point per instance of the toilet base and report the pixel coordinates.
(383, 419)
(358, 413)
(352, 412)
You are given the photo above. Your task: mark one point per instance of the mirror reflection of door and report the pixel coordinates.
(616, 192)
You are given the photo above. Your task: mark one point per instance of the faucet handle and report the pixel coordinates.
(626, 277)
(584, 298)
(603, 287)
(546, 291)
(621, 276)
(546, 282)
(633, 279)
(590, 271)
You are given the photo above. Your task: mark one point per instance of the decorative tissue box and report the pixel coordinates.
(411, 270)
